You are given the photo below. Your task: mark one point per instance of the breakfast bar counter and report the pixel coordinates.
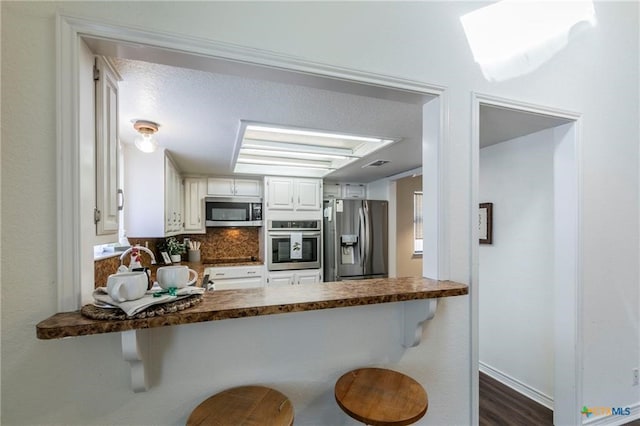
(227, 304)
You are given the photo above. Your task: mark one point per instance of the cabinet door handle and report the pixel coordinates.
(219, 273)
(121, 205)
(251, 272)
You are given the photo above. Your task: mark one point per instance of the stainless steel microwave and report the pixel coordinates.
(233, 211)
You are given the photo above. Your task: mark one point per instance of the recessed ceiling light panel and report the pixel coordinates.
(310, 152)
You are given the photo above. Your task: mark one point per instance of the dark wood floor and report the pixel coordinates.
(501, 405)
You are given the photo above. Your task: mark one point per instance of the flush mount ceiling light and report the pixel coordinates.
(145, 142)
(280, 150)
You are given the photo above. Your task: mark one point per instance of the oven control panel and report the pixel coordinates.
(294, 225)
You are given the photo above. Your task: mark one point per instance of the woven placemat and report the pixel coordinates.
(94, 312)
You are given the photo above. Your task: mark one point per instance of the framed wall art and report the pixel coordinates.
(485, 223)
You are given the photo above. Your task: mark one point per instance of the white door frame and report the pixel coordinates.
(568, 257)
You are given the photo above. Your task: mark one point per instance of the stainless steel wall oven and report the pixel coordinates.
(294, 245)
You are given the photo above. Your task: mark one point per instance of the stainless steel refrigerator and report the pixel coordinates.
(355, 239)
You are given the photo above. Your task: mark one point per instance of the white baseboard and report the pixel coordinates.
(614, 420)
(517, 385)
(547, 401)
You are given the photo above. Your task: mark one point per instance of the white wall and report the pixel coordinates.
(516, 295)
(378, 190)
(84, 380)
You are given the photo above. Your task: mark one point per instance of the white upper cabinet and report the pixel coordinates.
(173, 199)
(195, 189)
(332, 190)
(247, 188)
(108, 188)
(354, 190)
(279, 193)
(345, 190)
(154, 206)
(299, 194)
(230, 187)
(307, 194)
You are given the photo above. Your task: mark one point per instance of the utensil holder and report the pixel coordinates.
(194, 255)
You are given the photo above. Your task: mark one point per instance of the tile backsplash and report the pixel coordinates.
(228, 243)
(217, 244)
(103, 268)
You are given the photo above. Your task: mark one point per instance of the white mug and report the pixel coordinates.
(175, 276)
(127, 285)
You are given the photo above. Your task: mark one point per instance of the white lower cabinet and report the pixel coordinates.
(285, 278)
(235, 277)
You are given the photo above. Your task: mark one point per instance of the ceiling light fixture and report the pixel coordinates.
(278, 153)
(145, 142)
(321, 134)
(271, 149)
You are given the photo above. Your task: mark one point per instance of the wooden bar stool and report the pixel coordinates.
(381, 397)
(245, 405)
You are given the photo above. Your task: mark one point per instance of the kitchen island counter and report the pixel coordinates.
(227, 304)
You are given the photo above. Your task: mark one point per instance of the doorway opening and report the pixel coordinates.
(409, 233)
(526, 285)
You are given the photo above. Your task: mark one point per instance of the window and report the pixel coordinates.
(417, 222)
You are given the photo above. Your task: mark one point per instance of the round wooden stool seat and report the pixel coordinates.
(381, 397)
(245, 405)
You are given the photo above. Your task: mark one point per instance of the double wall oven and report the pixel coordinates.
(293, 244)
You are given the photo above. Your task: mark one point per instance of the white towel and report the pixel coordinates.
(296, 245)
(132, 307)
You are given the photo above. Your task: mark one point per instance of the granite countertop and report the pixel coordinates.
(226, 304)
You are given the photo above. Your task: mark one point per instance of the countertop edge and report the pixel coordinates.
(260, 302)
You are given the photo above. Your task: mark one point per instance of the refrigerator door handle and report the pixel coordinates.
(367, 237)
(361, 236)
(368, 249)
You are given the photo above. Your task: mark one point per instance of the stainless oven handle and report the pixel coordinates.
(288, 234)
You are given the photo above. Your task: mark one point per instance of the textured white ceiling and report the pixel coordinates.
(199, 113)
(499, 124)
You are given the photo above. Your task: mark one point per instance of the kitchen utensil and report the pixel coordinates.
(194, 255)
